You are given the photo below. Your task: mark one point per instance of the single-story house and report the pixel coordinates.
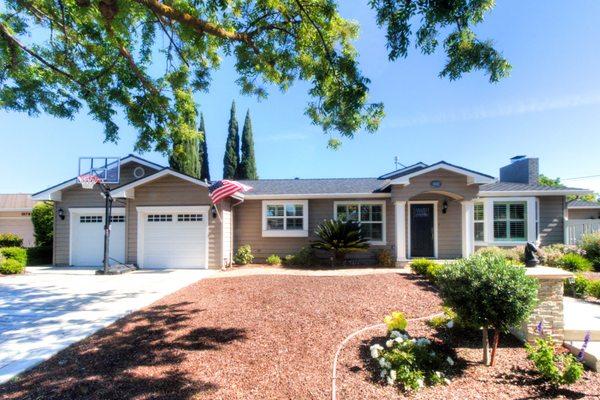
(581, 209)
(15, 216)
(163, 218)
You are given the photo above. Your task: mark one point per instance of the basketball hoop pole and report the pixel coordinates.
(107, 216)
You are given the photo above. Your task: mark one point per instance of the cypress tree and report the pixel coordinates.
(247, 168)
(232, 147)
(184, 155)
(203, 152)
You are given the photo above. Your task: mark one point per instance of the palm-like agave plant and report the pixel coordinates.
(340, 238)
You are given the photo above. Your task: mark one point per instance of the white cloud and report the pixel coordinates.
(500, 110)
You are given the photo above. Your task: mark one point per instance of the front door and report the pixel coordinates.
(421, 230)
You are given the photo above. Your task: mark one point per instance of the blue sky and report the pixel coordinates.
(549, 108)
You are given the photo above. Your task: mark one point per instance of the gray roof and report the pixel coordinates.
(314, 186)
(420, 166)
(583, 204)
(517, 187)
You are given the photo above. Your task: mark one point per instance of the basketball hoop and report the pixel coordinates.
(88, 180)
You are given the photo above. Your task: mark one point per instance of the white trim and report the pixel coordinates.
(250, 196)
(468, 227)
(143, 211)
(435, 225)
(488, 220)
(472, 177)
(75, 211)
(400, 209)
(495, 193)
(382, 203)
(125, 190)
(285, 233)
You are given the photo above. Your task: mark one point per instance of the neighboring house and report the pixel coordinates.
(581, 209)
(15, 216)
(163, 218)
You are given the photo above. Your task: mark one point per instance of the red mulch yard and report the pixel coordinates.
(269, 337)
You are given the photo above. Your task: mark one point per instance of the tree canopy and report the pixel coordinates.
(107, 57)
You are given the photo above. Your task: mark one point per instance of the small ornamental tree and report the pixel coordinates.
(42, 218)
(340, 238)
(488, 292)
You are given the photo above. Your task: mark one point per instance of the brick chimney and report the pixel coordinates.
(521, 169)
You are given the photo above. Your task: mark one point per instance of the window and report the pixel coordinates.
(90, 219)
(479, 226)
(285, 218)
(117, 218)
(189, 217)
(510, 221)
(160, 218)
(370, 216)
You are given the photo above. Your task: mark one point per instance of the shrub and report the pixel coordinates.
(11, 266)
(340, 238)
(305, 257)
(516, 255)
(243, 255)
(433, 271)
(578, 288)
(487, 292)
(552, 254)
(411, 363)
(42, 218)
(574, 263)
(554, 369)
(385, 259)
(447, 320)
(39, 255)
(420, 265)
(396, 321)
(15, 253)
(594, 289)
(10, 240)
(274, 259)
(590, 243)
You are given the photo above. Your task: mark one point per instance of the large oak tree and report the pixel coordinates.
(108, 56)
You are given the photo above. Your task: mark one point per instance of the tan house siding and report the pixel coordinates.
(18, 223)
(552, 209)
(248, 228)
(452, 183)
(584, 214)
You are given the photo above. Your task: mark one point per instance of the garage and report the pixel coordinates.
(87, 236)
(173, 237)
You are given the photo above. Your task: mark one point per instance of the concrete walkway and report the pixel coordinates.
(582, 317)
(48, 309)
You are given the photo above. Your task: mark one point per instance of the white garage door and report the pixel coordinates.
(87, 236)
(173, 237)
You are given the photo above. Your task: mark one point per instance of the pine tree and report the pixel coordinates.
(203, 152)
(184, 155)
(232, 147)
(247, 168)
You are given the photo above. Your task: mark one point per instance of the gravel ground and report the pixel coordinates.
(266, 337)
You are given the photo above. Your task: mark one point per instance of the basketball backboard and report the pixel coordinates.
(106, 169)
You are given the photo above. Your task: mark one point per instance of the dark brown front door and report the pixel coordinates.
(421, 230)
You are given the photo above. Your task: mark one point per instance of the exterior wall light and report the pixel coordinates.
(61, 213)
(444, 206)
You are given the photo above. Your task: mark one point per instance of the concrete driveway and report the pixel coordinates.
(48, 309)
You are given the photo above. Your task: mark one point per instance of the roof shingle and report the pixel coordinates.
(16, 201)
(314, 186)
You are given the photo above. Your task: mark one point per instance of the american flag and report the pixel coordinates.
(225, 188)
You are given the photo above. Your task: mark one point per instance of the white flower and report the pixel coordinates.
(450, 324)
(383, 373)
(395, 334)
(393, 374)
(399, 339)
(390, 381)
(422, 342)
(375, 349)
(420, 383)
(389, 343)
(438, 374)
(450, 361)
(446, 381)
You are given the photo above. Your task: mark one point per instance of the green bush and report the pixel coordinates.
(579, 288)
(340, 238)
(590, 243)
(15, 253)
(243, 255)
(11, 266)
(554, 369)
(274, 259)
(385, 259)
(551, 255)
(516, 255)
(420, 265)
(486, 291)
(42, 218)
(305, 257)
(433, 272)
(39, 255)
(10, 240)
(574, 263)
(594, 289)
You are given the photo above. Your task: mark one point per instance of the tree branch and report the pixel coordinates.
(164, 28)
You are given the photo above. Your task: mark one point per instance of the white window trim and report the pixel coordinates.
(479, 242)
(435, 226)
(381, 203)
(488, 221)
(285, 233)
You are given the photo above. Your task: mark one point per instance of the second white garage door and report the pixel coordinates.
(173, 237)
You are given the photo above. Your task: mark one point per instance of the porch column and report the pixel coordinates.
(468, 236)
(400, 231)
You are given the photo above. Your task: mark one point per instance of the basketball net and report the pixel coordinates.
(88, 180)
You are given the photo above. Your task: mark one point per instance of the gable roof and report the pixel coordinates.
(473, 177)
(511, 188)
(16, 202)
(46, 194)
(404, 171)
(314, 188)
(120, 191)
(583, 204)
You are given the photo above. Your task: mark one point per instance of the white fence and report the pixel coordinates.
(576, 228)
